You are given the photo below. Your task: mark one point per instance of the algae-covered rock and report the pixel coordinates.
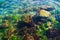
(27, 18)
(44, 13)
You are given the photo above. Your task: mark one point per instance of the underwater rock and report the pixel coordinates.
(38, 19)
(25, 30)
(28, 23)
(21, 24)
(44, 13)
(41, 19)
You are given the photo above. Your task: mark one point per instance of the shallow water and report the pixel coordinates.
(29, 19)
(10, 6)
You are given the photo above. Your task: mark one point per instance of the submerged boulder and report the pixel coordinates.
(21, 24)
(44, 13)
(41, 19)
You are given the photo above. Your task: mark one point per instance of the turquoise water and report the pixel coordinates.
(9, 6)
